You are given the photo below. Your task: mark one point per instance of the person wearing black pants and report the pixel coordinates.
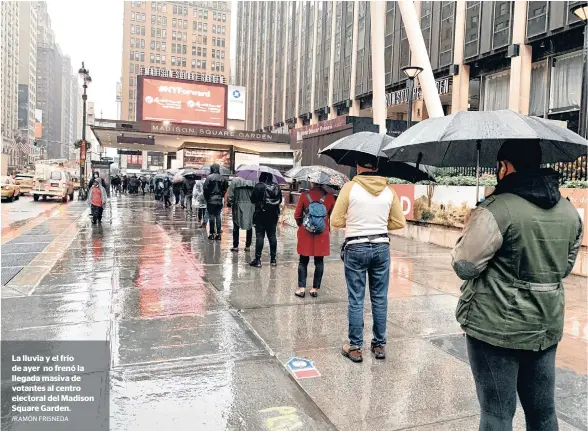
(262, 229)
(214, 215)
(214, 190)
(319, 267)
(267, 198)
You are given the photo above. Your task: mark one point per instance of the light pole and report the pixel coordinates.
(581, 11)
(411, 73)
(85, 75)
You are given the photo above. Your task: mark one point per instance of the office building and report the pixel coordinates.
(307, 62)
(187, 40)
(10, 70)
(27, 78)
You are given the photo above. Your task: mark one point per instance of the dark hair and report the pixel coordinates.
(265, 177)
(524, 154)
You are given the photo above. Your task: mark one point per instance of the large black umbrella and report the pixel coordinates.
(473, 138)
(367, 147)
(223, 170)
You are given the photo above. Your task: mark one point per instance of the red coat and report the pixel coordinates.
(313, 244)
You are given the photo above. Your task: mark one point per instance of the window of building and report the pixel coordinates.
(203, 64)
(143, 17)
(173, 48)
(131, 81)
(153, 6)
(157, 58)
(159, 7)
(142, 56)
(173, 35)
(205, 27)
(221, 42)
(132, 16)
(204, 40)
(164, 20)
(163, 33)
(184, 49)
(224, 17)
(137, 56)
(199, 26)
(185, 37)
(539, 88)
(158, 46)
(151, 58)
(132, 55)
(194, 26)
(496, 91)
(193, 64)
(132, 67)
(175, 10)
(501, 36)
(213, 29)
(185, 24)
(224, 29)
(205, 14)
(199, 64)
(446, 37)
(142, 30)
(163, 59)
(152, 31)
(174, 22)
(132, 28)
(426, 11)
(185, 11)
(152, 44)
(536, 18)
(143, 43)
(212, 66)
(164, 8)
(199, 13)
(214, 16)
(566, 74)
(213, 53)
(153, 18)
(158, 20)
(132, 42)
(164, 46)
(222, 55)
(214, 41)
(472, 33)
(199, 51)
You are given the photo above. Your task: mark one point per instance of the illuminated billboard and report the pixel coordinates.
(181, 101)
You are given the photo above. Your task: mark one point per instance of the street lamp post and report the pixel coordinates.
(581, 11)
(85, 76)
(411, 73)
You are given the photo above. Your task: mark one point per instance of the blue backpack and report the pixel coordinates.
(314, 217)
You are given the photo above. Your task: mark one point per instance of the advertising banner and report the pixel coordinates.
(198, 158)
(183, 102)
(405, 193)
(246, 159)
(236, 103)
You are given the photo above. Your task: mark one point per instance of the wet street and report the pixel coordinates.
(200, 341)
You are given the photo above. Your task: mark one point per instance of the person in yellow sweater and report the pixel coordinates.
(367, 208)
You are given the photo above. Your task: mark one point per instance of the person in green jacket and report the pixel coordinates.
(517, 247)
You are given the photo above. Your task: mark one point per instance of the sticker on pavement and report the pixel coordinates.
(302, 368)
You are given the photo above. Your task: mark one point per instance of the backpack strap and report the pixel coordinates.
(322, 201)
(308, 197)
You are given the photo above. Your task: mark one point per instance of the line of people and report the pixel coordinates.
(129, 184)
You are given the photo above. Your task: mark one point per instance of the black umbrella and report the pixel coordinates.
(473, 138)
(367, 147)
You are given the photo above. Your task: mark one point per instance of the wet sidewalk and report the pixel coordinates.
(199, 339)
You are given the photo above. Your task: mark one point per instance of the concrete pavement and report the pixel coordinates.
(199, 339)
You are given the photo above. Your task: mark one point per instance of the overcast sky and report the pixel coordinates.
(91, 31)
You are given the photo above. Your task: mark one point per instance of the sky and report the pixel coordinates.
(91, 31)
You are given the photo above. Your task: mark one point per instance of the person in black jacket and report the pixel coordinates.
(267, 198)
(215, 188)
(187, 188)
(177, 189)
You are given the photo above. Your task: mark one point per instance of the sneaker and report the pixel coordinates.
(211, 237)
(354, 353)
(247, 248)
(379, 351)
(256, 263)
(217, 237)
(235, 249)
(273, 262)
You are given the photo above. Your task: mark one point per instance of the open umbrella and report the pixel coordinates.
(188, 172)
(252, 172)
(177, 178)
(318, 175)
(367, 146)
(223, 171)
(473, 138)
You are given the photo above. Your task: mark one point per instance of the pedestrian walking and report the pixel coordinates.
(215, 188)
(187, 189)
(312, 217)
(167, 187)
(367, 208)
(97, 201)
(517, 247)
(125, 184)
(239, 200)
(198, 200)
(267, 198)
(177, 188)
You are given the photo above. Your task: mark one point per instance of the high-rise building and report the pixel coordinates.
(27, 76)
(307, 62)
(67, 108)
(10, 52)
(181, 38)
(49, 94)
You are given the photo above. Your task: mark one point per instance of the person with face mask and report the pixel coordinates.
(516, 248)
(97, 201)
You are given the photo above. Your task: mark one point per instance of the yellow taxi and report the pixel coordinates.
(10, 190)
(25, 182)
(76, 182)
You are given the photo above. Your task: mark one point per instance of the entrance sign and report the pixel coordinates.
(401, 96)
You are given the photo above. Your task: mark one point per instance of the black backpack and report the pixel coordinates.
(271, 198)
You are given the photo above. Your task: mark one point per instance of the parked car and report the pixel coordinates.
(25, 182)
(10, 190)
(57, 183)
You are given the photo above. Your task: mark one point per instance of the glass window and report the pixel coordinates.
(164, 46)
(158, 20)
(536, 18)
(224, 17)
(152, 44)
(205, 40)
(183, 61)
(185, 37)
(132, 67)
(184, 49)
(153, 18)
(205, 14)
(142, 30)
(501, 35)
(204, 52)
(159, 7)
(143, 43)
(142, 56)
(204, 64)
(472, 29)
(173, 60)
(566, 75)
(446, 38)
(132, 16)
(224, 29)
(143, 17)
(153, 6)
(214, 16)
(213, 29)
(199, 64)
(173, 35)
(163, 33)
(185, 11)
(222, 55)
(199, 13)
(132, 56)
(496, 88)
(185, 24)
(132, 42)
(164, 20)
(174, 22)
(157, 58)
(151, 58)
(193, 64)
(137, 56)
(152, 32)
(158, 46)
(131, 81)
(199, 51)
(175, 10)
(132, 28)
(162, 59)
(205, 27)
(538, 89)
(173, 48)
(55, 175)
(164, 8)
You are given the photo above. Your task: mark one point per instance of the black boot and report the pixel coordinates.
(256, 263)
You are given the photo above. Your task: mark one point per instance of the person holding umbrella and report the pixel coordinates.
(187, 189)
(312, 217)
(517, 247)
(215, 188)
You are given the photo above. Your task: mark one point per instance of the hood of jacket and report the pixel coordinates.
(239, 183)
(373, 183)
(541, 188)
(215, 168)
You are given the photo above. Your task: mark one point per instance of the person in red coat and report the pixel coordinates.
(312, 244)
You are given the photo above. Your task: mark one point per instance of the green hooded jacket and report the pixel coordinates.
(518, 246)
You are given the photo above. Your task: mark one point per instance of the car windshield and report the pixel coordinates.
(55, 175)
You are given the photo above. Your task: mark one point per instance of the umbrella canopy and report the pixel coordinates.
(162, 176)
(177, 178)
(223, 171)
(252, 172)
(173, 171)
(367, 146)
(188, 172)
(318, 175)
(454, 140)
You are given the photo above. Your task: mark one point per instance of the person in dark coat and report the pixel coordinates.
(177, 189)
(267, 198)
(125, 184)
(167, 186)
(312, 244)
(239, 199)
(187, 190)
(215, 188)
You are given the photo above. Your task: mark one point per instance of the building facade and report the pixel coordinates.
(187, 40)
(10, 70)
(27, 78)
(305, 62)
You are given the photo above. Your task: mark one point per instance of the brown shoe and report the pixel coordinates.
(379, 351)
(352, 352)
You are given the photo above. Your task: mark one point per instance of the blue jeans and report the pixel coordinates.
(501, 373)
(372, 259)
